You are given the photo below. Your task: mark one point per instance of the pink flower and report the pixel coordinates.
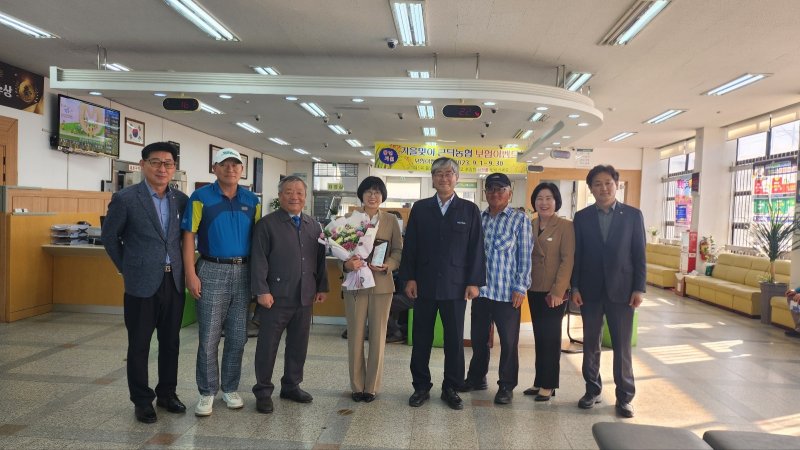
(359, 233)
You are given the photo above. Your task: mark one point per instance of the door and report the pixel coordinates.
(8, 151)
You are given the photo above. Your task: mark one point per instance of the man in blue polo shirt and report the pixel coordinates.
(221, 217)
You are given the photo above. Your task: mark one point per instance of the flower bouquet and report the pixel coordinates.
(351, 236)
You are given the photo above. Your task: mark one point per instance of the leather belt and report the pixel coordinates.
(168, 268)
(237, 260)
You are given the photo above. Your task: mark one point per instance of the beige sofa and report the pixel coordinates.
(780, 312)
(734, 283)
(662, 264)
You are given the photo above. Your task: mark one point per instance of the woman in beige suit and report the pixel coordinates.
(373, 303)
(552, 261)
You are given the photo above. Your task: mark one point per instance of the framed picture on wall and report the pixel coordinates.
(212, 150)
(245, 163)
(134, 131)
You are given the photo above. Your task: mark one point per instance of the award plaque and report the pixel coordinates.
(379, 253)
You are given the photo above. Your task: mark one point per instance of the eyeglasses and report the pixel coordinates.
(496, 189)
(156, 163)
(446, 174)
(371, 193)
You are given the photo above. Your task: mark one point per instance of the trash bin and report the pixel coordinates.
(189, 310)
(438, 330)
(680, 285)
(606, 341)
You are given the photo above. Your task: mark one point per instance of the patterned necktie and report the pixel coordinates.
(296, 220)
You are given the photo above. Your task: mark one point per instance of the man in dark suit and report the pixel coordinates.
(141, 233)
(288, 275)
(608, 279)
(444, 264)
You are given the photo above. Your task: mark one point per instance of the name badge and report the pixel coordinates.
(461, 223)
(244, 208)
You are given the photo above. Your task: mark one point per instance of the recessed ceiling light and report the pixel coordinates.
(24, 27)
(262, 70)
(425, 102)
(663, 117)
(313, 109)
(409, 20)
(565, 137)
(583, 124)
(203, 19)
(622, 136)
(300, 150)
(429, 131)
(353, 142)
(489, 103)
(249, 127)
(419, 74)
(95, 93)
(225, 96)
(542, 108)
(291, 98)
(316, 159)
(523, 134)
(357, 100)
(742, 81)
(574, 116)
(210, 109)
(338, 129)
(425, 111)
(556, 143)
(541, 153)
(537, 117)
(159, 94)
(278, 141)
(366, 152)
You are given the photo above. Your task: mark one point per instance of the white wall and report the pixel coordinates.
(651, 200)
(620, 158)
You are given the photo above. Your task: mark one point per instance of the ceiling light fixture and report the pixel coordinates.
(316, 159)
(225, 96)
(565, 137)
(556, 143)
(575, 80)
(409, 20)
(338, 129)
(633, 21)
(574, 116)
(489, 103)
(278, 141)
(366, 152)
(357, 100)
(537, 117)
(202, 19)
(583, 124)
(542, 108)
(425, 102)
(742, 81)
(265, 70)
(523, 134)
(159, 94)
(313, 109)
(353, 142)
(24, 27)
(429, 131)
(300, 150)
(249, 127)
(425, 111)
(419, 74)
(291, 98)
(666, 115)
(210, 109)
(622, 136)
(431, 143)
(116, 67)
(510, 146)
(95, 93)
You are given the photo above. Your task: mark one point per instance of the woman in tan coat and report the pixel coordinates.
(552, 261)
(373, 303)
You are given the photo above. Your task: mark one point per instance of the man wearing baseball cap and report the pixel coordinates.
(508, 242)
(221, 216)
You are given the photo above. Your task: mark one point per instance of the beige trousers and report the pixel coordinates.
(366, 375)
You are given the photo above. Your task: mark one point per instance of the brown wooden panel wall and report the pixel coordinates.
(57, 200)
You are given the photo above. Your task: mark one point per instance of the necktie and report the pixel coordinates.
(296, 220)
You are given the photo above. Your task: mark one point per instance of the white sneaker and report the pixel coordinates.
(233, 400)
(204, 406)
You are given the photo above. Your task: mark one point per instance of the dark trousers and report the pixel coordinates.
(163, 311)
(296, 320)
(506, 318)
(547, 336)
(620, 324)
(452, 313)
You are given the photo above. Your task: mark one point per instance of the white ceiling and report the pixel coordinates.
(689, 48)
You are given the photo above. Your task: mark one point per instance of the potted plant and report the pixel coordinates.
(707, 249)
(653, 232)
(773, 238)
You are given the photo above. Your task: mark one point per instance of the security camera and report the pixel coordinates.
(339, 115)
(258, 117)
(392, 43)
(494, 110)
(400, 116)
(349, 131)
(325, 119)
(483, 135)
(325, 144)
(487, 124)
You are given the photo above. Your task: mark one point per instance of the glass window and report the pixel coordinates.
(690, 165)
(785, 138)
(751, 147)
(401, 188)
(677, 164)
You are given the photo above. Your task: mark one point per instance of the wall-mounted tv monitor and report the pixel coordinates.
(84, 127)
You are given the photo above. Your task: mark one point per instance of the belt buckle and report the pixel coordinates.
(237, 260)
(168, 268)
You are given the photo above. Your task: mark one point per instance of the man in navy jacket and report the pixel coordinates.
(444, 264)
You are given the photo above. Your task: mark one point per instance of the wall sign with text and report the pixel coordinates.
(419, 157)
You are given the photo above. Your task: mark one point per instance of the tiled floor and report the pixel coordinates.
(62, 385)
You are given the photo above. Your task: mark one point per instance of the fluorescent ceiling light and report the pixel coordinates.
(565, 137)
(316, 159)
(278, 141)
(357, 100)
(366, 152)
(116, 67)
(556, 143)
(633, 21)
(622, 136)
(225, 96)
(210, 109)
(425, 102)
(742, 81)
(409, 19)
(542, 108)
(583, 124)
(429, 131)
(313, 109)
(666, 115)
(300, 150)
(489, 103)
(202, 19)
(419, 74)
(159, 94)
(425, 111)
(265, 70)
(338, 129)
(96, 93)
(537, 117)
(291, 98)
(249, 127)
(575, 80)
(353, 142)
(523, 134)
(24, 27)
(574, 116)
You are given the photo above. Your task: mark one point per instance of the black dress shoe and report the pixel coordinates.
(171, 404)
(624, 409)
(367, 397)
(469, 386)
(503, 396)
(588, 400)
(418, 398)
(395, 338)
(531, 391)
(792, 333)
(145, 414)
(450, 396)
(358, 396)
(298, 395)
(264, 405)
(545, 398)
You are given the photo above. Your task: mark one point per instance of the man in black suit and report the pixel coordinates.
(444, 264)
(142, 236)
(608, 279)
(288, 275)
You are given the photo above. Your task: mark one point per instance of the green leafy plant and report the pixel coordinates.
(773, 238)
